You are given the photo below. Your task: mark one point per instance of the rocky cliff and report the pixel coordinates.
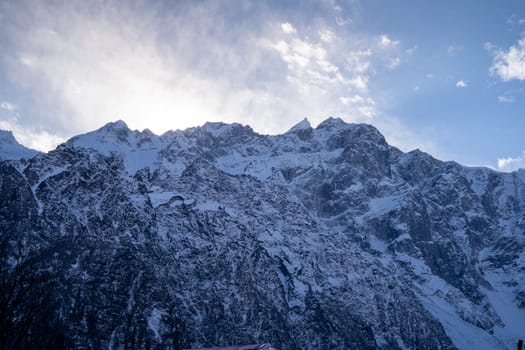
(325, 238)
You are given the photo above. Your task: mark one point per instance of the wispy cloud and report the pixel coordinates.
(508, 64)
(453, 50)
(327, 67)
(515, 21)
(365, 106)
(462, 84)
(385, 41)
(410, 51)
(326, 35)
(100, 61)
(393, 63)
(505, 99)
(510, 96)
(308, 62)
(340, 18)
(8, 106)
(359, 63)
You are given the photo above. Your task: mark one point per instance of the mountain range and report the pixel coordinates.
(318, 238)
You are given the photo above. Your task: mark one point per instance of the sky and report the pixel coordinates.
(447, 77)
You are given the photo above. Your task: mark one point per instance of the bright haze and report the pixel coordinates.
(446, 77)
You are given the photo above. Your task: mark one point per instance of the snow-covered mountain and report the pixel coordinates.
(325, 238)
(10, 149)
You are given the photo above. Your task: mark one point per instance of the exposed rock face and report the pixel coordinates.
(323, 238)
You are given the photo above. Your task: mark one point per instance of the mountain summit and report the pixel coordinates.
(325, 238)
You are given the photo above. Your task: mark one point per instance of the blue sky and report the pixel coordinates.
(446, 77)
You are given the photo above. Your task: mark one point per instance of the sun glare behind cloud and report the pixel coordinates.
(101, 61)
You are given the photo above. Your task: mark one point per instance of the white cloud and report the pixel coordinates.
(339, 19)
(359, 82)
(368, 111)
(429, 76)
(352, 99)
(359, 63)
(462, 84)
(393, 63)
(386, 42)
(288, 28)
(505, 99)
(512, 163)
(318, 69)
(326, 35)
(36, 139)
(365, 106)
(508, 64)
(8, 106)
(308, 63)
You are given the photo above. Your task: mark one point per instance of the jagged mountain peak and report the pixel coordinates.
(331, 123)
(337, 125)
(113, 136)
(302, 125)
(117, 130)
(138, 149)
